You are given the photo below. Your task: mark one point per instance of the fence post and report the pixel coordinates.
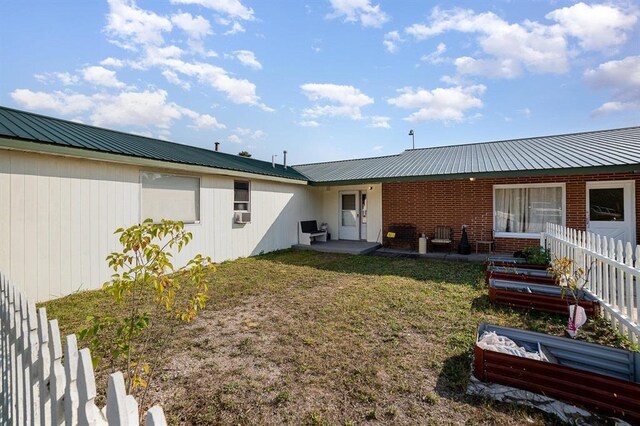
(88, 412)
(34, 347)
(155, 417)
(57, 379)
(44, 366)
(71, 374)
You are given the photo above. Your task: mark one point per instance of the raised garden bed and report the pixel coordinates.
(508, 261)
(599, 378)
(517, 273)
(540, 297)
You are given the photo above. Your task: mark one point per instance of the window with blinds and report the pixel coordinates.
(170, 197)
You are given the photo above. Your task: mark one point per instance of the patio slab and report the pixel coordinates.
(453, 256)
(340, 246)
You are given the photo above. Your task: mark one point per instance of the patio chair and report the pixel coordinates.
(442, 236)
(487, 239)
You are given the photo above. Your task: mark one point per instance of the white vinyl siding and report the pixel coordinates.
(58, 214)
(520, 211)
(170, 197)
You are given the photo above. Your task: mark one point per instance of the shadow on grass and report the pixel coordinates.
(418, 269)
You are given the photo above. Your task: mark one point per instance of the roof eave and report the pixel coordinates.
(635, 168)
(53, 149)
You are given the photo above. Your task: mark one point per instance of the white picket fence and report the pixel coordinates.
(614, 272)
(38, 388)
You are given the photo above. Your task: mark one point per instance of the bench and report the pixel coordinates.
(308, 231)
(401, 236)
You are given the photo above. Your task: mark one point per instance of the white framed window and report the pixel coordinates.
(171, 197)
(521, 210)
(241, 196)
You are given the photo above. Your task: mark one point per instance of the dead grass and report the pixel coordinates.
(311, 338)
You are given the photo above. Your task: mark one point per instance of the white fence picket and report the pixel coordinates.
(38, 388)
(613, 274)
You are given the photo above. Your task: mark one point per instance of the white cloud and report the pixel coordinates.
(623, 78)
(232, 8)
(598, 27)
(525, 112)
(511, 48)
(67, 79)
(112, 62)
(377, 148)
(443, 104)
(62, 102)
(235, 139)
(196, 27)
(248, 133)
(359, 10)
(309, 123)
(100, 76)
(173, 78)
(391, 40)
(248, 58)
(380, 122)
(127, 108)
(494, 68)
(235, 29)
(435, 57)
(536, 47)
(347, 100)
(129, 26)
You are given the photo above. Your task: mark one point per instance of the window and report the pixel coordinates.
(522, 210)
(170, 197)
(241, 196)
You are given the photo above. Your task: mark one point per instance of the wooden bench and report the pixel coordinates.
(401, 236)
(308, 231)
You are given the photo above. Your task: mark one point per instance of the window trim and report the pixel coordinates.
(528, 235)
(248, 210)
(169, 173)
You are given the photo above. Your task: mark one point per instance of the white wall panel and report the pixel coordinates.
(58, 215)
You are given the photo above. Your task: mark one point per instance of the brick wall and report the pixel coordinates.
(428, 204)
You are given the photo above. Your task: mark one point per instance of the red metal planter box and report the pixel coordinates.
(599, 378)
(510, 262)
(540, 297)
(517, 273)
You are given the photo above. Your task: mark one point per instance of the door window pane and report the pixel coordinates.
(606, 204)
(348, 218)
(348, 201)
(363, 214)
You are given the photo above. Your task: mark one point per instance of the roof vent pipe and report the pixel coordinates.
(217, 145)
(273, 161)
(285, 159)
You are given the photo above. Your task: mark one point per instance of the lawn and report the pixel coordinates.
(310, 338)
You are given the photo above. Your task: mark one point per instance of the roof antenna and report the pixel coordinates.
(413, 138)
(273, 160)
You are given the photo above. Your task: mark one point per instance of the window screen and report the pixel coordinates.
(170, 197)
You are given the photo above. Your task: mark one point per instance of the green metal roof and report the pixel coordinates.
(547, 154)
(26, 126)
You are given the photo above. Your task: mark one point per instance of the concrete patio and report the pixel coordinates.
(340, 246)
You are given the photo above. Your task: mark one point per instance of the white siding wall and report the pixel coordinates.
(331, 208)
(58, 214)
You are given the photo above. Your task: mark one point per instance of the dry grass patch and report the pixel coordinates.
(311, 338)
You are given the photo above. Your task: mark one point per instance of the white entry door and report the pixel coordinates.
(349, 215)
(611, 210)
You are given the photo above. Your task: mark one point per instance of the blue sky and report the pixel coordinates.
(325, 80)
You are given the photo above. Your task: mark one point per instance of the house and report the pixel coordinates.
(65, 187)
(587, 181)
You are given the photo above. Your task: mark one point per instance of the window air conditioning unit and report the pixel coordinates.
(242, 217)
